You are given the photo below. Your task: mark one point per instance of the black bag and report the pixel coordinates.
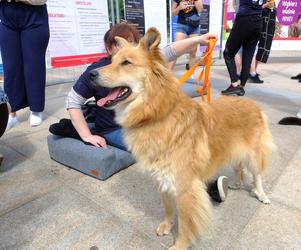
(193, 20)
(88, 110)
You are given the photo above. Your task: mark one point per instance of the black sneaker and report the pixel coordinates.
(290, 121)
(238, 90)
(255, 79)
(218, 189)
(297, 77)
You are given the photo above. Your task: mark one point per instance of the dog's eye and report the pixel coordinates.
(125, 62)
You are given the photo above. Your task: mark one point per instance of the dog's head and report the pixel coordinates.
(140, 83)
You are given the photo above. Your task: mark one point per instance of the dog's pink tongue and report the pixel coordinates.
(112, 96)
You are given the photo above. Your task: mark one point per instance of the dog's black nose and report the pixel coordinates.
(93, 75)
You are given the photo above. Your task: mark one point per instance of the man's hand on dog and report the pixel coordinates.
(96, 140)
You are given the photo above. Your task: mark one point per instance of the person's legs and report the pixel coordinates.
(180, 34)
(237, 60)
(115, 138)
(192, 55)
(11, 53)
(233, 45)
(34, 43)
(249, 46)
(253, 76)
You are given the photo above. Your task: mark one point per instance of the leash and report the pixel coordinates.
(207, 60)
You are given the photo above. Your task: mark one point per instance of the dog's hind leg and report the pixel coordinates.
(258, 189)
(194, 209)
(256, 167)
(165, 226)
(239, 173)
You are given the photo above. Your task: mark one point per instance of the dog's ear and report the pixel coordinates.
(151, 39)
(121, 42)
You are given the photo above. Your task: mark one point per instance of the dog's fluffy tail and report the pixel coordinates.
(267, 143)
(195, 211)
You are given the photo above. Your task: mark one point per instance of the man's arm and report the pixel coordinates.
(73, 105)
(178, 48)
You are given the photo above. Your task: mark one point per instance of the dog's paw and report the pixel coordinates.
(164, 228)
(261, 196)
(264, 199)
(176, 248)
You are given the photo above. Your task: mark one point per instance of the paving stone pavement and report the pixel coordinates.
(45, 205)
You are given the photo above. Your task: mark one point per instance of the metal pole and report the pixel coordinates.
(222, 31)
(117, 11)
(112, 12)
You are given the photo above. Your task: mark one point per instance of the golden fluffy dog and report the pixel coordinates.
(182, 142)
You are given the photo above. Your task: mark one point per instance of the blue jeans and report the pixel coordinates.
(188, 30)
(115, 138)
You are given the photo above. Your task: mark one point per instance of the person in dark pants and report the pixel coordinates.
(245, 33)
(265, 42)
(24, 36)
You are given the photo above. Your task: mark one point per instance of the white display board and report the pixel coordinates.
(76, 31)
(155, 14)
(146, 14)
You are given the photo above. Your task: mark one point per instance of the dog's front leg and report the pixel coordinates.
(165, 226)
(194, 213)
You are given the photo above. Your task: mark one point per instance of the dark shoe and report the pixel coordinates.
(255, 79)
(187, 66)
(218, 189)
(290, 121)
(297, 77)
(64, 128)
(239, 90)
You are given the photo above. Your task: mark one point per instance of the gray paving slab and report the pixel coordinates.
(24, 184)
(273, 227)
(64, 219)
(288, 187)
(11, 159)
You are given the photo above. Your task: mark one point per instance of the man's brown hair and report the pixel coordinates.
(124, 30)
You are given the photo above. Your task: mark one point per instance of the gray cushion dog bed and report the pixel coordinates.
(97, 162)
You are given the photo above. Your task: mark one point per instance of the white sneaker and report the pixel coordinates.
(35, 118)
(12, 121)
